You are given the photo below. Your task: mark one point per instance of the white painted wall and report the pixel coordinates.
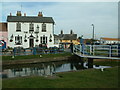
(25, 28)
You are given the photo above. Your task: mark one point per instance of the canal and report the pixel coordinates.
(45, 69)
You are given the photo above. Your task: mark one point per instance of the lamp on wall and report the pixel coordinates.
(11, 38)
(37, 38)
(50, 38)
(25, 40)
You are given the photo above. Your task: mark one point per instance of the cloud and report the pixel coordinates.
(77, 16)
(60, 0)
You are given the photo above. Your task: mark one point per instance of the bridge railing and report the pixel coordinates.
(97, 50)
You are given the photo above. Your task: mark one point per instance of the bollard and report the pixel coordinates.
(13, 57)
(14, 50)
(102, 69)
(40, 56)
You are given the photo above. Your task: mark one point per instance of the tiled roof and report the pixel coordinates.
(68, 36)
(111, 39)
(56, 36)
(3, 26)
(30, 19)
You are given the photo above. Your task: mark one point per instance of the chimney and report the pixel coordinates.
(18, 13)
(40, 14)
(24, 14)
(71, 32)
(61, 31)
(10, 14)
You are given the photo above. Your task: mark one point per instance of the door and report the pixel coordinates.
(31, 42)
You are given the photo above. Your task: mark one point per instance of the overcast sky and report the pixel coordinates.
(77, 16)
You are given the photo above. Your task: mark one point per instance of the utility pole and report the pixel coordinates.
(93, 32)
(93, 40)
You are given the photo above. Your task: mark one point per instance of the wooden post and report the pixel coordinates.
(82, 62)
(118, 50)
(90, 50)
(83, 49)
(93, 50)
(90, 62)
(14, 51)
(80, 50)
(73, 48)
(110, 51)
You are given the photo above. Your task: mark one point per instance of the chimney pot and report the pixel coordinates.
(40, 14)
(10, 14)
(19, 13)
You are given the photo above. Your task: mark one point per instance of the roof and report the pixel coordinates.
(68, 36)
(30, 19)
(3, 26)
(56, 36)
(111, 39)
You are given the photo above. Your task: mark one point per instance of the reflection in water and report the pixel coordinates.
(44, 69)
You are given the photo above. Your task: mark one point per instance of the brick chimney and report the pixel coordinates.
(24, 14)
(40, 14)
(18, 13)
(61, 31)
(71, 32)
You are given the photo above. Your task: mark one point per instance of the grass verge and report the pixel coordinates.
(7, 58)
(90, 78)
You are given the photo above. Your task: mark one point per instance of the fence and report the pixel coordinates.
(98, 50)
(17, 51)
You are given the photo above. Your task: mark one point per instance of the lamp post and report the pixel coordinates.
(93, 40)
(93, 31)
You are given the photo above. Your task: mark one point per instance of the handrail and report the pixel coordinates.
(98, 50)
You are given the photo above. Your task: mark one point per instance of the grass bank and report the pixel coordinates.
(90, 78)
(28, 57)
(107, 63)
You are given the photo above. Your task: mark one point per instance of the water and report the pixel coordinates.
(44, 69)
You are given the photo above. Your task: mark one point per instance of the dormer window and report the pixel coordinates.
(43, 27)
(18, 27)
(31, 27)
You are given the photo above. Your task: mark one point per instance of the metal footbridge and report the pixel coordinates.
(97, 51)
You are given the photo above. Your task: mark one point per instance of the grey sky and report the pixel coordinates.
(77, 16)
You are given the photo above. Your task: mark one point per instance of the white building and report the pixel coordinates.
(109, 41)
(30, 31)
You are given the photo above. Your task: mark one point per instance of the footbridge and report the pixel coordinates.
(97, 51)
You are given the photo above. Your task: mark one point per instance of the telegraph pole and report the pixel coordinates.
(93, 40)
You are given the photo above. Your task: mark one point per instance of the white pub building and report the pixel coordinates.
(30, 31)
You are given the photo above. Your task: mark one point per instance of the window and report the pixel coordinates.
(43, 27)
(46, 39)
(31, 27)
(18, 40)
(18, 27)
(43, 40)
